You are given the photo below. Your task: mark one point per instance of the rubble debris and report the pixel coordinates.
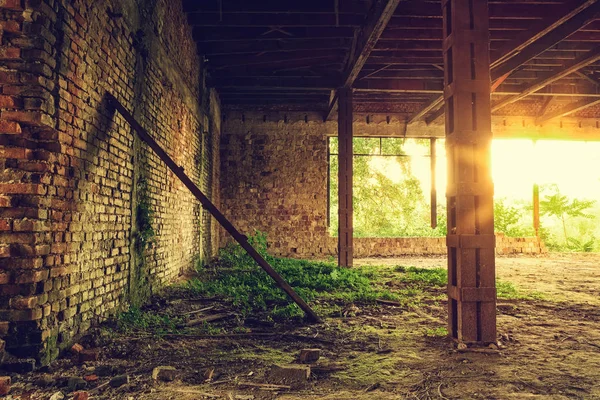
(209, 373)
(309, 355)
(76, 383)
(91, 378)
(119, 380)
(44, 380)
(89, 355)
(208, 318)
(106, 370)
(164, 373)
(82, 395)
(4, 385)
(19, 366)
(293, 375)
(76, 348)
(57, 396)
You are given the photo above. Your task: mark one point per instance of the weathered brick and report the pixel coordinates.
(10, 53)
(10, 127)
(4, 380)
(11, 4)
(23, 303)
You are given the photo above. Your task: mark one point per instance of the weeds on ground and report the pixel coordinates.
(439, 277)
(238, 279)
(137, 320)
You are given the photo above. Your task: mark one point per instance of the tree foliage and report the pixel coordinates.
(556, 204)
(386, 204)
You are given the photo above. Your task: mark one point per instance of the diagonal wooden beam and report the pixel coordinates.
(567, 110)
(545, 105)
(565, 26)
(589, 78)
(530, 46)
(435, 103)
(380, 14)
(333, 98)
(571, 67)
(543, 28)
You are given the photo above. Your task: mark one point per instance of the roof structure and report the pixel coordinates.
(293, 55)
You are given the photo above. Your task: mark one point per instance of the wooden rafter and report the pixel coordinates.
(530, 47)
(576, 65)
(380, 14)
(376, 21)
(570, 108)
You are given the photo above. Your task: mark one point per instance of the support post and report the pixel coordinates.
(470, 240)
(345, 169)
(536, 209)
(433, 161)
(536, 195)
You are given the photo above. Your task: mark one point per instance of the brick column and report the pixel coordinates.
(470, 240)
(345, 166)
(32, 172)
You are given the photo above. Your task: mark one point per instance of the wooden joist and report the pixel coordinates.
(572, 67)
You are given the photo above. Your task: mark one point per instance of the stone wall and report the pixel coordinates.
(274, 180)
(90, 219)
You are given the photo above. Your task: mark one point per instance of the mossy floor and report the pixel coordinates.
(549, 349)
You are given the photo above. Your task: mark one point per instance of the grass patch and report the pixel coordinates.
(369, 368)
(440, 331)
(426, 276)
(137, 320)
(238, 279)
(439, 276)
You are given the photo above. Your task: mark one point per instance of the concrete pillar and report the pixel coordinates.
(345, 210)
(470, 240)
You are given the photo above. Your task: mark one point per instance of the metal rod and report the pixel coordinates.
(207, 204)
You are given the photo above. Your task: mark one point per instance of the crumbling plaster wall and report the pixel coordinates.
(90, 219)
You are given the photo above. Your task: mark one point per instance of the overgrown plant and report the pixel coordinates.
(560, 206)
(239, 279)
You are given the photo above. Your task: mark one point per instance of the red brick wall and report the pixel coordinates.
(74, 174)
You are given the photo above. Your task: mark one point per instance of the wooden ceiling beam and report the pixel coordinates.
(379, 15)
(377, 20)
(262, 34)
(570, 68)
(306, 83)
(568, 109)
(272, 46)
(307, 58)
(532, 45)
(512, 10)
(274, 6)
(552, 34)
(283, 20)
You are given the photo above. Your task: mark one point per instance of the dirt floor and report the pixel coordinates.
(549, 348)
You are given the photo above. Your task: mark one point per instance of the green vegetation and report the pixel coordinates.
(558, 206)
(441, 331)
(238, 279)
(138, 320)
(388, 198)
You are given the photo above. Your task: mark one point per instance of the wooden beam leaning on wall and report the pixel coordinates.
(207, 204)
(470, 239)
